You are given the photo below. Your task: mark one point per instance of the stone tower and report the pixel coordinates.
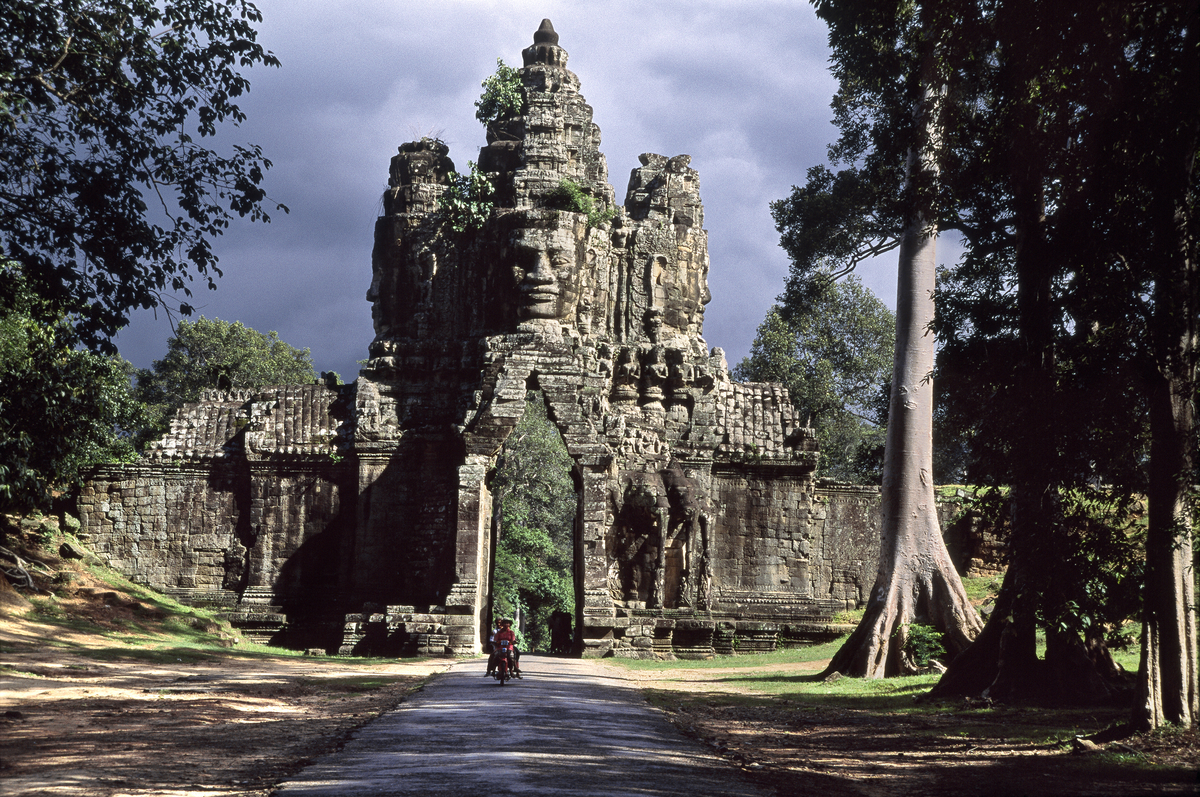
(605, 315)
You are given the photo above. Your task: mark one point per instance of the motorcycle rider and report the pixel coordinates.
(505, 634)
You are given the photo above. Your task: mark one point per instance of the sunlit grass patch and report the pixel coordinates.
(795, 655)
(980, 588)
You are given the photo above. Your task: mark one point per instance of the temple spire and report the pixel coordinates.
(545, 49)
(545, 33)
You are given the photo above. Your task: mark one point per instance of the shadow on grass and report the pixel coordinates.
(171, 645)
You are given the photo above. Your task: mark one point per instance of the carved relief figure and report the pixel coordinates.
(544, 257)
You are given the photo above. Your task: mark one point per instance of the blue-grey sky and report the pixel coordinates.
(742, 87)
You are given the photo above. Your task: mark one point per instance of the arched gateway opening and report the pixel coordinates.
(535, 508)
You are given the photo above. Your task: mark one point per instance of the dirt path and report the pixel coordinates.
(86, 716)
(75, 725)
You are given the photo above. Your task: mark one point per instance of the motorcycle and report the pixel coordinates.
(503, 671)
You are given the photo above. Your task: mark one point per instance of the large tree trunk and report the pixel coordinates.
(1070, 673)
(1168, 686)
(1003, 663)
(916, 580)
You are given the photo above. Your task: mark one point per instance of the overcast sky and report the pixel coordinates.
(742, 87)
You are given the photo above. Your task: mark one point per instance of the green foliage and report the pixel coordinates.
(834, 357)
(62, 409)
(922, 644)
(503, 96)
(1074, 305)
(1095, 586)
(570, 195)
(106, 195)
(468, 202)
(835, 221)
(538, 503)
(215, 354)
(838, 219)
(1090, 561)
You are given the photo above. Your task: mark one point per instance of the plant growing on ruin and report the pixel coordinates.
(503, 96)
(571, 196)
(469, 200)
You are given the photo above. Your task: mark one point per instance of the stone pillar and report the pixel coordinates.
(594, 613)
(468, 594)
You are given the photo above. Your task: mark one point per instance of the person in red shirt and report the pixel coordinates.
(505, 634)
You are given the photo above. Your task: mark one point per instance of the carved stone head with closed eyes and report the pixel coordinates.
(546, 262)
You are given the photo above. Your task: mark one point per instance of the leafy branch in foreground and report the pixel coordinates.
(107, 197)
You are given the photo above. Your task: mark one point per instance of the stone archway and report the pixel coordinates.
(536, 495)
(605, 310)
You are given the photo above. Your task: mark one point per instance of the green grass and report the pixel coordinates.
(849, 616)
(169, 632)
(796, 655)
(982, 587)
(890, 694)
(805, 690)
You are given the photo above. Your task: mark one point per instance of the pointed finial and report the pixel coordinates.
(545, 49)
(545, 33)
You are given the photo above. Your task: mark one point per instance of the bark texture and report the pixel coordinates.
(917, 581)
(1168, 684)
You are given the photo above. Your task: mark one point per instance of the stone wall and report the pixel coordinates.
(172, 529)
(763, 533)
(243, 503)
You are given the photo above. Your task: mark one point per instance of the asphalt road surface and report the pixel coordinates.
(569, 727)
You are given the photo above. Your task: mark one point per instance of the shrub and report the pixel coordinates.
(469, 200)
(570, 195)
(924, 643)
(502, 98)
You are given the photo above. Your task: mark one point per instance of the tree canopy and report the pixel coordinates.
(834, 357)
(214, 354)
(62, 408)
(1065, 153)
(111, 188)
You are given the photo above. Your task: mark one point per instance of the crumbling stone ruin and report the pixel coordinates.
(358, 518)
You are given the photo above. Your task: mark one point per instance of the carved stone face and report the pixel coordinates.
(546, 268)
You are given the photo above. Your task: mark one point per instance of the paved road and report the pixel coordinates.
(570, 727)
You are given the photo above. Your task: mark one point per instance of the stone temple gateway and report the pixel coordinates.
(358, 518)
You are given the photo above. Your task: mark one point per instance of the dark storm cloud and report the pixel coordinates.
(742, 87)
